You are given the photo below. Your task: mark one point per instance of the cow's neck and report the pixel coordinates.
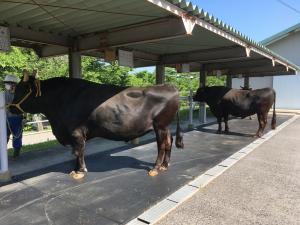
(44, 102)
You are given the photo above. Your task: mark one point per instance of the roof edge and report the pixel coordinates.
(281, 35)
(199, 13)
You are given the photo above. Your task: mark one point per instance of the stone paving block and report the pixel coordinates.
(237, 155)
(228, 162)
(215, 171)
(158, 211)
(136, 222)
(183, 193)
(247, 149)
(201, 181)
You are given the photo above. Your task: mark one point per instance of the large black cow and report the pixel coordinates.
(224, 101)
(79, 110)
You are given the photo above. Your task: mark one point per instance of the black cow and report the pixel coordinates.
(79, 110)
(224, 101)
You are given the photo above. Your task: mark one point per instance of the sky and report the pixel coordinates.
(258, 19)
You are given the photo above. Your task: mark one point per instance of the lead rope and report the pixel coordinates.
(10, 130)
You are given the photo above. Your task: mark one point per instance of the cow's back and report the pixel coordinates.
(243, 103)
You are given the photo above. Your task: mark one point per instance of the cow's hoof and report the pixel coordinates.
(153, 173)
(219, 132)
(163, 168)
(257, 136)
(83, 170)
(226, 132)
(77, 175)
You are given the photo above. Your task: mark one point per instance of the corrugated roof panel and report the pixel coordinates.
(111, 13)
(76, 17)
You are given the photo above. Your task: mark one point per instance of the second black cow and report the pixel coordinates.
(224, 101)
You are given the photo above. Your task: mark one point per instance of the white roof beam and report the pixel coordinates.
(238, 64)
(279, 69)
(161, 29)
(51, 51)
(23, 34)
(205, 56)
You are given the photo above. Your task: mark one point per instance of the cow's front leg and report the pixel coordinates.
(160, 139)
(78, 144)
(219, 119)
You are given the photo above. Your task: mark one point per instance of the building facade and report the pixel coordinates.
(286, 44)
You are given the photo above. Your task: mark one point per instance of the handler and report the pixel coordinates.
(14, 122)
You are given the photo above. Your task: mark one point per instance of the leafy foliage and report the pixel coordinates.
(96, 70)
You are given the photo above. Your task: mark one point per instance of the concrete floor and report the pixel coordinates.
(262, 188)
(117, 188)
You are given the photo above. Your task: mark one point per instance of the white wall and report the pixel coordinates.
(237, 83)
(287, 92)
(254, 82)
(288, 87)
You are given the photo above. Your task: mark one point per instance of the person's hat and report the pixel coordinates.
(11, 79)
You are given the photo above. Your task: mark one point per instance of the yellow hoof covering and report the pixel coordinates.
(76, 176)
(152, 173)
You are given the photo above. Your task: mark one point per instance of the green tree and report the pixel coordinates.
(18, 59)
(142, 78)
(98, 71)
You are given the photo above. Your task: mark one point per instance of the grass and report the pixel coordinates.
(35, 147)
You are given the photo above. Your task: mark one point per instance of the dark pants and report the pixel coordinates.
(14, 128)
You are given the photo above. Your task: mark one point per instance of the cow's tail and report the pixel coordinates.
(273, 125)
(179, 134)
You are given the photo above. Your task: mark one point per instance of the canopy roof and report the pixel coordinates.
(281, 35)
(156, 31)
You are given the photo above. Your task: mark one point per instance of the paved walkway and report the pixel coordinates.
(262, 188)
(32, 161)
(117, 188)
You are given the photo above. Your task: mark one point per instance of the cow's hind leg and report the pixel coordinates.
(78, 144)
(161, 135)
(168, 147)
(265, 121)
(219, 119)
(261, 124)
(226, 124)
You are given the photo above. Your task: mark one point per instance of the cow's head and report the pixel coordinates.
(200, 95)
(26, 92)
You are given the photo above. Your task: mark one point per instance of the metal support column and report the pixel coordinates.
(246, 82)
(202, 105)
(191, 110)
(229, 81)
(74, 64)
(4, 173)
(160, 74)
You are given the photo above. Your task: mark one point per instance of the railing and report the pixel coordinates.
(192, 107)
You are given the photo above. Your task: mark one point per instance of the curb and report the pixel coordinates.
(161, 209)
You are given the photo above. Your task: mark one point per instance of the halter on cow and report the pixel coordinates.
(79, 110)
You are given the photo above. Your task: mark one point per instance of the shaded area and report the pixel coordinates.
(117, 188)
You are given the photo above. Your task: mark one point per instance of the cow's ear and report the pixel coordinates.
(25, 75)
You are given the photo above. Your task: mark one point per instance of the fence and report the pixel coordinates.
(191, 106)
